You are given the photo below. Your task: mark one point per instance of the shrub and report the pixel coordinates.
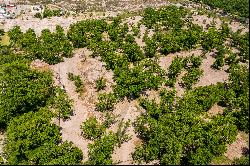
(91, 129)
(77, 81)
(180, 136)
(32, 139)
(61, 103)
(22, 90)
(191, 77)
(135, 30)
(100, 83)
(106, 102)
(244, 160)
(100, 152)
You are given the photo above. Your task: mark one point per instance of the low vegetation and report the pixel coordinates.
(172, 130)
(100, 83)
(78, 82)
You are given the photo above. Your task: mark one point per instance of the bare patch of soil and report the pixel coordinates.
(39, 65)
(128, 110)
(152, 95)
(211, 76)
(166, 60)
(237, 148)
(25, 22)
(2, 137)
(205, 22)
(89, 69)
(215, 110)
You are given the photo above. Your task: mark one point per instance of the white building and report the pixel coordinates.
(9, 3)
(7, 9)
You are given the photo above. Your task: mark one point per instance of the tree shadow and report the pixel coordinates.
(245, 151)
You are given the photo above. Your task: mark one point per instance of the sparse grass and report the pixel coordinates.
(5, 40)
(222, 160)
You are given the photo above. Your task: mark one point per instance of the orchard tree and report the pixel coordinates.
(22, 90)
(32, 139)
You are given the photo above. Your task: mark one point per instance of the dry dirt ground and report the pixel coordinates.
(238, 148)
(205, 22)
(112, 9)
(90, 69)
(127, 111)
(2, 137)
(26, 22)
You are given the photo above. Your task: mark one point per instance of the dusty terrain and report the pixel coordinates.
(237, 148)
(90, 69)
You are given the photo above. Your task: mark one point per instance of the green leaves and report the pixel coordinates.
(91, 129)
(49, 47)
(144, 75)
(212, 39)
(150, 48)
(78, 82)
(83, 33)
(237, 96)
(15, 34)
(175, 68)
(239, 7)
(170, 17)
(63, 154)
(220, 56)
(61, 103)
(201, 99)
(25, 99)
(32, 139)
(241, 42)
(179, 135)
(100, 83)
(106, 102)
(132, 52)
(191, 77)
(23, 90)
(101, 150)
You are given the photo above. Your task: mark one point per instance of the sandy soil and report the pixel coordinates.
(205, 21)
(211, 76)
(237, 148)
(90, 69)
(71, 128)
(152, 95)
(39, 65)
(215, 110)
(2, 137)
(26, 22)
(128, 110)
